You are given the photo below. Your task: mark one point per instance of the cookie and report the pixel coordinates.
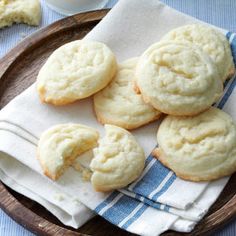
(118, 160)
(60, 145)
(178, 79)
(19, 11)
(199, 148)
(74, 71)
(211, 41)
(118, 104)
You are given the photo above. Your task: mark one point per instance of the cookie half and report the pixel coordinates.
(199, 148)
(60, 145)
(19, 11)
(211, 41)
(74, 71)
(118, 160)
(119, 105)
(178, 79)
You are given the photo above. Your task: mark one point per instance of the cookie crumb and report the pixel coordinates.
(59, 197)
(77, 166)
(77, 201)
(86, 174)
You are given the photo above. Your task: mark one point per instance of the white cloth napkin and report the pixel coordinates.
(129, 28)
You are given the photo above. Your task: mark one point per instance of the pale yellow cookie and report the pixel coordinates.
(178, 79)
(118, 160)
(119, 105)
(19, 11)
(60, 145)
(199, 148)
(74, 71)
(213, 42)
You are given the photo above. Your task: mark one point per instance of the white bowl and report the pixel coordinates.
(70, 7)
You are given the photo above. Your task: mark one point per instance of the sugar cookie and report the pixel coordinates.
(199, 148)
(212, 42)
(118, 160)
(19, 11)
(74, 71)
(61, 144)
(119, 105)
(178, 79)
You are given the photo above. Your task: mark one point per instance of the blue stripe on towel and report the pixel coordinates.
(233, 48)
(228, 93)
(121, 210)
(152, 179)
(107, 201)
(166, 208)
(228, 34)
(148, 160)
(232, 81)
(156, 205)
(135, 217)
(226, 82)
(147, 201)
(165, 187)
(232, 44)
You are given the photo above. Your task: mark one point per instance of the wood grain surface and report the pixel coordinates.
(18, 70)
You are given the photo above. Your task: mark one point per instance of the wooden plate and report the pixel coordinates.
(18, 70)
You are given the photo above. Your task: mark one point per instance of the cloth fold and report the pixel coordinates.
(149, 206)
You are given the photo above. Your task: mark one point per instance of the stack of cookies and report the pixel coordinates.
(181, 76)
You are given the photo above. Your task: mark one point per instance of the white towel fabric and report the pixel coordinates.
(129, 28)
